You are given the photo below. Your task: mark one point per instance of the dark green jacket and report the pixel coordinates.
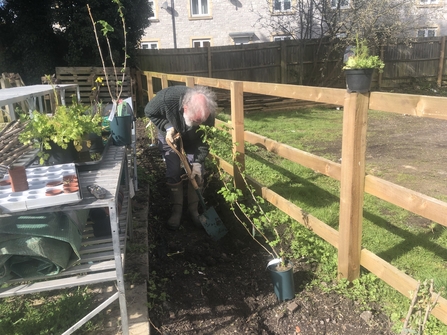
(165, 110)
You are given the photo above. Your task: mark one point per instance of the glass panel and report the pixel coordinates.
(277, 5)
(287, 5)
(196, 44)
(431, 33)
(421, 33)
(151, 3)
(204, 7)
(195, 7)
(206, 44)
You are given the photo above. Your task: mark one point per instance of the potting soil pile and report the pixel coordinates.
(41, 244)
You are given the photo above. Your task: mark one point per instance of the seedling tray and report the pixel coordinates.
(48, 186)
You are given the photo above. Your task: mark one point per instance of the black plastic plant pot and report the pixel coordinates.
(59, 155)
(359, 80)
(282, 279)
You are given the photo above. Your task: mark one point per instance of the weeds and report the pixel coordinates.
(156, 291)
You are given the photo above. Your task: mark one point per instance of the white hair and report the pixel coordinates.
(204, 106)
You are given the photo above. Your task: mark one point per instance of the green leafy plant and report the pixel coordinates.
(246, 205)
(362, 59)
(151, 132)
(67, 124)
(156, 291)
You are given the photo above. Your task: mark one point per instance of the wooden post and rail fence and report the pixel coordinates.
(351, 172)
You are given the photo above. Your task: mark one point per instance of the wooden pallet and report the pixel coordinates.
(85, 77)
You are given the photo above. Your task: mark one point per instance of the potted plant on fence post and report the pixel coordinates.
(360, 66)
(248, 210)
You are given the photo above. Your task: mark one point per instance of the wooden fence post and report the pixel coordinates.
(210, 63)
(189, 81)
(150, 87)
(237, 121)
(164, 81)
(139, 89)
(352, 184)
(283, 51)
(382, 52)
(441, 61)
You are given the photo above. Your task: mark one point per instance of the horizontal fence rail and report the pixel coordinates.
(354, 182)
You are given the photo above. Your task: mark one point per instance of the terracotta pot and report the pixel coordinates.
(71, 184)
(71, 189)
(54, 183)
(72, 178)
(17, 175)
(55, 191)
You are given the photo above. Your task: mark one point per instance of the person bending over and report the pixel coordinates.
(181, 109)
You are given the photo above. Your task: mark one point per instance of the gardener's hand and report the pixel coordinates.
(170, 135)
(196, 170)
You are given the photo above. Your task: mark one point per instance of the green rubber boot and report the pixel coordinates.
(193, 202)
(177, 205)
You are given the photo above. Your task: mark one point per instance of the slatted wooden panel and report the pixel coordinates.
(85, 77)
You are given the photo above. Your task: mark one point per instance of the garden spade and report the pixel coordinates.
(209, 219)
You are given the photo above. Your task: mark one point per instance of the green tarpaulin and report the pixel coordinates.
(43, 244)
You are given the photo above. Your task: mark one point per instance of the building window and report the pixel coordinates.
(341, 3)
(199, 7)
(242, 37)
(428, 2)
(427, 32)
(202, 43)
(282, 6)
(154, 11)
(149, 45)
(282, 38)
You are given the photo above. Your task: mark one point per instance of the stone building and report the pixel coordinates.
(201, 23)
